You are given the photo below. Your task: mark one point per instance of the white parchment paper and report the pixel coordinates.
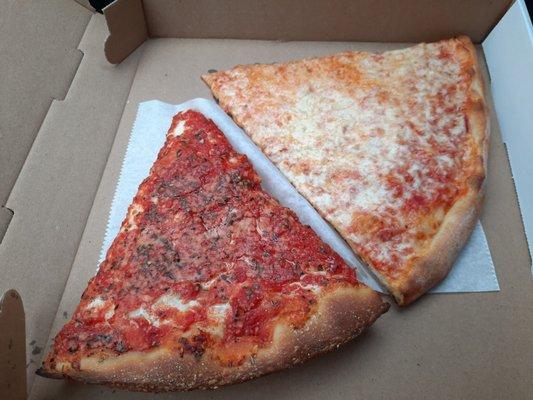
(472, 272)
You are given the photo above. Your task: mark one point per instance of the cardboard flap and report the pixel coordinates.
(12, 347)
(127, 29)
(342, 20)
(37, 65)
(350, 20)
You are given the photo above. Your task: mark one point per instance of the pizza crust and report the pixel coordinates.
(436, 261)
(342, 314)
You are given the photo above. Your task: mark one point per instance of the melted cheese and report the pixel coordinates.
(143, 313)
(207, 285)
(309, 286)
(109, 313)
(219, 311)
(174, 301)
(165, 301)
(97, 302)
(360, 135)
(217, 319)
(178, 129)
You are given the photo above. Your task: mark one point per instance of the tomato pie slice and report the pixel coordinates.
(210, 281)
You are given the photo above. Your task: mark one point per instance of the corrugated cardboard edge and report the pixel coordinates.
(127, 29)
(12, 347)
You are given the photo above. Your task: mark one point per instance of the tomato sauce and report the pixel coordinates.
(201, 236)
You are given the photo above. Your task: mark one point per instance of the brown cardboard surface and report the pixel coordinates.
(12, 347)
(54, 191)
(443, 346)
(359, 20)
(129, 33)
(36, 66)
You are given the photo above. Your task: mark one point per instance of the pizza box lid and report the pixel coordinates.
(66, 113)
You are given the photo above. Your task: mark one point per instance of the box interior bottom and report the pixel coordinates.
(443, 346)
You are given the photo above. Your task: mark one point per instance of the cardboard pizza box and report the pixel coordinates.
(71, 83)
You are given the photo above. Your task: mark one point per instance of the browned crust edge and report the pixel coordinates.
(208, 80)
(342, 314)
(437, 260)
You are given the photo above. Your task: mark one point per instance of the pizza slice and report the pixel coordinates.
(210, 281)
(390, 148)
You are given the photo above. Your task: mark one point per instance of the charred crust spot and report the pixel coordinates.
(195, 345)
(467, 124)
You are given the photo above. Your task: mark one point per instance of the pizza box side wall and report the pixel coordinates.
(313, 20)
(509, 51)
(53, 205)
(360, 20)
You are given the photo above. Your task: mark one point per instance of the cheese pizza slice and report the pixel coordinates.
(390, 148)
(210, 281)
